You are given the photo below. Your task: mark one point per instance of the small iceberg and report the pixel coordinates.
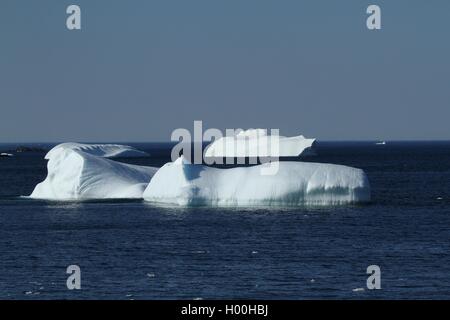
(100, 150)
(256, 143)
(6, 155)
(78, 172)
(294, 184)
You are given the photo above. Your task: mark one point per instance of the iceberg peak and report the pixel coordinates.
(181, 160)
(99, 150)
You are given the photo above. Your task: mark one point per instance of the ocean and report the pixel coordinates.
(129, 249)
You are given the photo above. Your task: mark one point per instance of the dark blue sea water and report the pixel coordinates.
(133, 250)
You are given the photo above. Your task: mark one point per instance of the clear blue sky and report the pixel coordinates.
(139, 69)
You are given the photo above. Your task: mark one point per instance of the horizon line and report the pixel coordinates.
(146, 141)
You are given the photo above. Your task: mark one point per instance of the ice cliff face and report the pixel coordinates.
(294, 184)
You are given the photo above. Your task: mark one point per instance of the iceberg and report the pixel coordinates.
(294, 184)
(256, 143)
(4, 154)
(80, 172)
(100, 150)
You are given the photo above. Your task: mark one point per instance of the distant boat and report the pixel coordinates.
(3, 154)
(380, 143)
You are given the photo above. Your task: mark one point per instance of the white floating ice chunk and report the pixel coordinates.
(3, 154)
(295, 184)
(100, 150)
(256, 143)
(74, 174)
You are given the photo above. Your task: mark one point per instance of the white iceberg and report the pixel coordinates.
(100, 150)
(256, 143)
(4, 154)
(294, 184)
(77, 175)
